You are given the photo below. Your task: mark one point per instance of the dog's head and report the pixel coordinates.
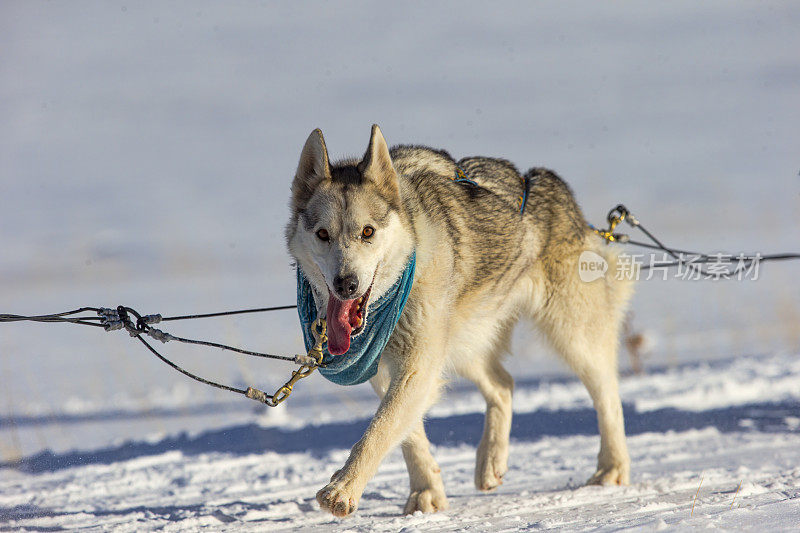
(348, 232)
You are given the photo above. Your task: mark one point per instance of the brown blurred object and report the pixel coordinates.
(638, 343)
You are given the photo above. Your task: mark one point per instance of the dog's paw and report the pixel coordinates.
(618, 474)
(427, 501)
(491, 466)
(338, 497)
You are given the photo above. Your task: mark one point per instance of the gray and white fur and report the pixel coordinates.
(481, 266)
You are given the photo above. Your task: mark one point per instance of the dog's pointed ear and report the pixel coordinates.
(313, 168)
(376, 165)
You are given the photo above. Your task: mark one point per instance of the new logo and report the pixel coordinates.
(591, 266)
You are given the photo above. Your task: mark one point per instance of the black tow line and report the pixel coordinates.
(621, 213)
(138, 325)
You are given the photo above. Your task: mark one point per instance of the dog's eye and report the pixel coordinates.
(367, 232)
(322, 233)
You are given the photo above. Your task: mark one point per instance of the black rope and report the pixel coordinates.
(58, 317)
(87, 321)
(228, 313)
(232, 349)
(189, 374)
(696, 257)
(704, 260)
(143, 326)
(658, 243)
(120, 318)
(709, 257)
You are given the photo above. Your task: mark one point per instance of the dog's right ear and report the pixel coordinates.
(313, 168)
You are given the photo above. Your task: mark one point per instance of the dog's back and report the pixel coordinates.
(500, 221)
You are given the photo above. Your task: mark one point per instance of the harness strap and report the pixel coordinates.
(526, 189)
(461, 177)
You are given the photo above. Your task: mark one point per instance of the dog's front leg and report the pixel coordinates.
(427, 490)
(415, 379)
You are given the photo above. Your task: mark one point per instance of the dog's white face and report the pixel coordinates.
(347, 233)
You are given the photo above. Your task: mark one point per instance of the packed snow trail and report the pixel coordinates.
(263, 475)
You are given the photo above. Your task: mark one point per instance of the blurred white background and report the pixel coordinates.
(146, 152)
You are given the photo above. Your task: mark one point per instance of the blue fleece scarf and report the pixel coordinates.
(360, 362)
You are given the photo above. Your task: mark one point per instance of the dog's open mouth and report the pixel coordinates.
(346, 319)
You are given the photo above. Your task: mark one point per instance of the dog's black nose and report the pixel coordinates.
(345, 285)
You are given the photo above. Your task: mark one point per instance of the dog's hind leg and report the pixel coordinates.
(613, 463)
(582, 321)
(427, 489)
(496, 386)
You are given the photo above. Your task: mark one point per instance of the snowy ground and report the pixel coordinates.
(727, 423)
(145, 158)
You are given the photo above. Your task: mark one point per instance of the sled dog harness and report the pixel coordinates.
(360, 362)
(461, 177)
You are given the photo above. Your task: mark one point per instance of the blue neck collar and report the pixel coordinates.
(360, 362)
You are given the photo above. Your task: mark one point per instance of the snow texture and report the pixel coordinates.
(146, 152)
(262, 474)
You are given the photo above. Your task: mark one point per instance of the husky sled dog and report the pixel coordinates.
(484, 258)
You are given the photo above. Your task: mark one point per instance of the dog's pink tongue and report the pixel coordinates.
(339, 327)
